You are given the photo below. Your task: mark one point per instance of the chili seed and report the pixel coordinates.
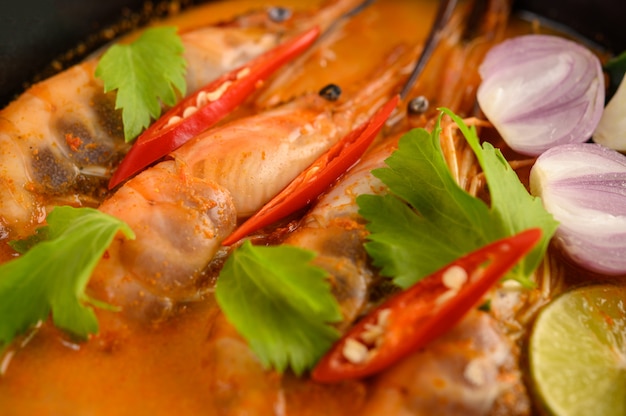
(331, 92)
(454, 277)
(355, 351)
(189, 111)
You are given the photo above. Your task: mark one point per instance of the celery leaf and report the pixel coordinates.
(428, 221)
(52, 275)
(146, 74)
(280, 303)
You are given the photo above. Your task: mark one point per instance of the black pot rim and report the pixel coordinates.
(54, 28)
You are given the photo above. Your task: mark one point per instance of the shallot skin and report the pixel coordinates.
(540, 91)
(584, 186)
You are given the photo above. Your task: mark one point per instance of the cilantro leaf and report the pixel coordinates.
(451, 223)
(52, 275)
(144, 73)
(428, 221)
(280, 303)
(510, 201)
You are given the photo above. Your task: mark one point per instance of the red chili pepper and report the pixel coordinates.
(318, 176)
(418, 315)
(230, 89)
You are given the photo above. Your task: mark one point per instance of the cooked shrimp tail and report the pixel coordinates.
(178, 221)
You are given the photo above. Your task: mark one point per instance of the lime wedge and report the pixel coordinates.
(577, 352)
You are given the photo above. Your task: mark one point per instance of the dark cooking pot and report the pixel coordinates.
(35, 32)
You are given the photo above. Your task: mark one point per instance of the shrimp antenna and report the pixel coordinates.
(358, 8)
(442, 17)
(350, 13)
(474, 20)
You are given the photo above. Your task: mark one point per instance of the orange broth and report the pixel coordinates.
(170, 368)
(175, 367)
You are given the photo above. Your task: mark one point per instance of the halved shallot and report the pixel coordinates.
(540, 91)
(584, 187)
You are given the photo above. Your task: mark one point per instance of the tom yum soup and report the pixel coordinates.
(255, 208)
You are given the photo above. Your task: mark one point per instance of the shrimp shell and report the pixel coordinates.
(182, 219)
(234, 169)
(60, 140)
(470, 370)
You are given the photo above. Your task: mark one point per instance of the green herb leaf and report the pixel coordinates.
(428, 221)
(616, 68)
(43, 280)
(144, 73)
(510, 201)
(280, 303)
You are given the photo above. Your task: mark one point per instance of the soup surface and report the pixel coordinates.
(195, 362)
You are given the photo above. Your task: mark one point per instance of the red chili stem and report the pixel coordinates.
(162, 138)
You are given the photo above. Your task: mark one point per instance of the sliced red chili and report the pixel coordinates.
(307, 186)
(211, 104)
(418, 315)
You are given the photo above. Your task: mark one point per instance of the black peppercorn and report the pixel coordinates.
(418, 105)
(331, 92)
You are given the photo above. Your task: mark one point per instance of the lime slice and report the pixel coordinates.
(577, 352)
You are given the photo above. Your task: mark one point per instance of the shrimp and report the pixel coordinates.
(61, 138)
(333, 227)
(181, 209)
(179, 221)
(285, 141)
(191, 202)
(241, 385)
(217, 49)
(471, 370)
(336, 232)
